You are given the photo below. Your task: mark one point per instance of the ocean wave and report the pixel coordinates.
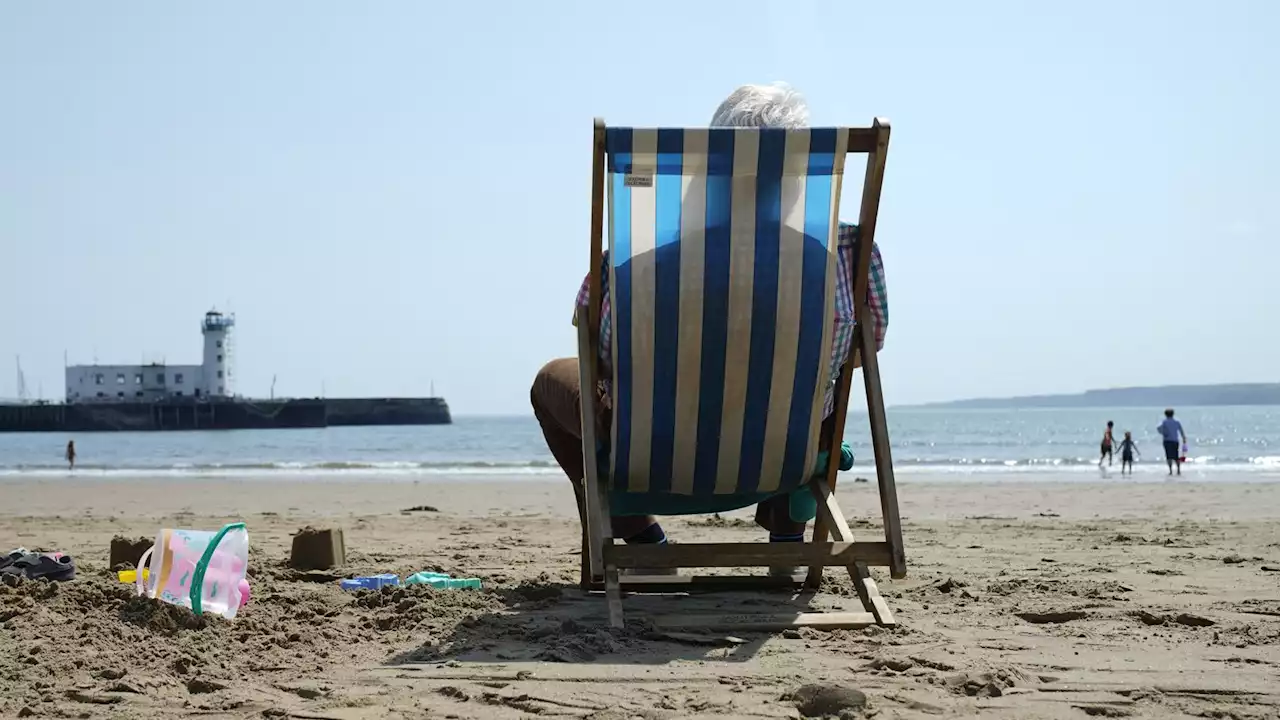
(391, 467)
(864, 464)
(1043, 463)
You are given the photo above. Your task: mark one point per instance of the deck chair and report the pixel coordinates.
(722, 267)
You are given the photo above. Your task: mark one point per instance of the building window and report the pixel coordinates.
(119, 378)
(101, 394)
(219, 374)
(177, 378)
(160, 378)
(197, 392)
(137, 379)
(218, 343)
(120, 394)
(138, 394)
(178, 394)
(97, 380)
(221, 391)
(219, 358)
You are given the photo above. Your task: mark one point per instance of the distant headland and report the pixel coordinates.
(1162, 396)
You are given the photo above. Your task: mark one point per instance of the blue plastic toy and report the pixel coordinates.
(370, 582)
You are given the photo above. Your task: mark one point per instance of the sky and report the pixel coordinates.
(395, 195)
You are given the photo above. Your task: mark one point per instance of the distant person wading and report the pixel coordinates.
(1171, 430)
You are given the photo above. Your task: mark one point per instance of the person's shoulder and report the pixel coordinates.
(847, 234)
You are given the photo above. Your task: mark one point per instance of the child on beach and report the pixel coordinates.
(1127, 450)
(1106, 444)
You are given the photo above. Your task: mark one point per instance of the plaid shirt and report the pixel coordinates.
(842, 335)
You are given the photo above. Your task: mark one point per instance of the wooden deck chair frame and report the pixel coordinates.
(602, 558)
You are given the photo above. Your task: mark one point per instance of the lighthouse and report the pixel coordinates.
(217, 366)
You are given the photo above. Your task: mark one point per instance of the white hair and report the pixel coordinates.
(776, 105)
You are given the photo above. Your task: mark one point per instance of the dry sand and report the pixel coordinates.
(1026, 600)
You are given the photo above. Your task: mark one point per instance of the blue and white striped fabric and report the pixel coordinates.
(722, 261)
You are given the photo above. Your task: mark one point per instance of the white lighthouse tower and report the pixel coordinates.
(217, 367)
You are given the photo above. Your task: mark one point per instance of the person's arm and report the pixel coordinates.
(585, 289)
(1183, 433)
(603, 372)
(843, 352)
(878, 297)
(581, 300)
(877, 294)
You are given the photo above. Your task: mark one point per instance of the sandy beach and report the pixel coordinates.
(1041, 599)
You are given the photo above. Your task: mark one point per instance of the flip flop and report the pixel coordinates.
(53, 566)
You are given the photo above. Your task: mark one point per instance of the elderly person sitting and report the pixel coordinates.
(555, 393)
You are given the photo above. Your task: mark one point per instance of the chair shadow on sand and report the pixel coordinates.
(558, 622)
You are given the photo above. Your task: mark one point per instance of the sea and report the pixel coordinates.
(1225, 442)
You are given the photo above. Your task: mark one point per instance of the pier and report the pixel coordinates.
(238, 414)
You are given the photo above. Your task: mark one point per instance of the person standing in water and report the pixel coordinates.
(1107, 443)
(71, 454)
(1127, 450)
(1171, 430)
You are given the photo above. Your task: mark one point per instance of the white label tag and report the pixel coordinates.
(640, 181)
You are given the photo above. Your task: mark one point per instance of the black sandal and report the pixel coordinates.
(56, 566)
(12, 557)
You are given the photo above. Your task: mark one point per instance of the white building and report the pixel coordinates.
(160, 381)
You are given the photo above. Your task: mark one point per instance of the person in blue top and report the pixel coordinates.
(1171, 431)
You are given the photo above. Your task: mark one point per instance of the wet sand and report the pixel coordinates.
(1040, 599)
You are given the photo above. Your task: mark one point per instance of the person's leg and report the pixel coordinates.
(555, 397)
(774, 515)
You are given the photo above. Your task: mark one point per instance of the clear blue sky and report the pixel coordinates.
(1078, 194)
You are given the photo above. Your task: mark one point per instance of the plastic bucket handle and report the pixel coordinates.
(197, 580)
(142, 563)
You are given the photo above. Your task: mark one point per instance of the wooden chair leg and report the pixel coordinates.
(613, 594)
(584, 569)
(866, 588)
(869, 594)
(584, 566)
(813, 579)
(884, 459)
